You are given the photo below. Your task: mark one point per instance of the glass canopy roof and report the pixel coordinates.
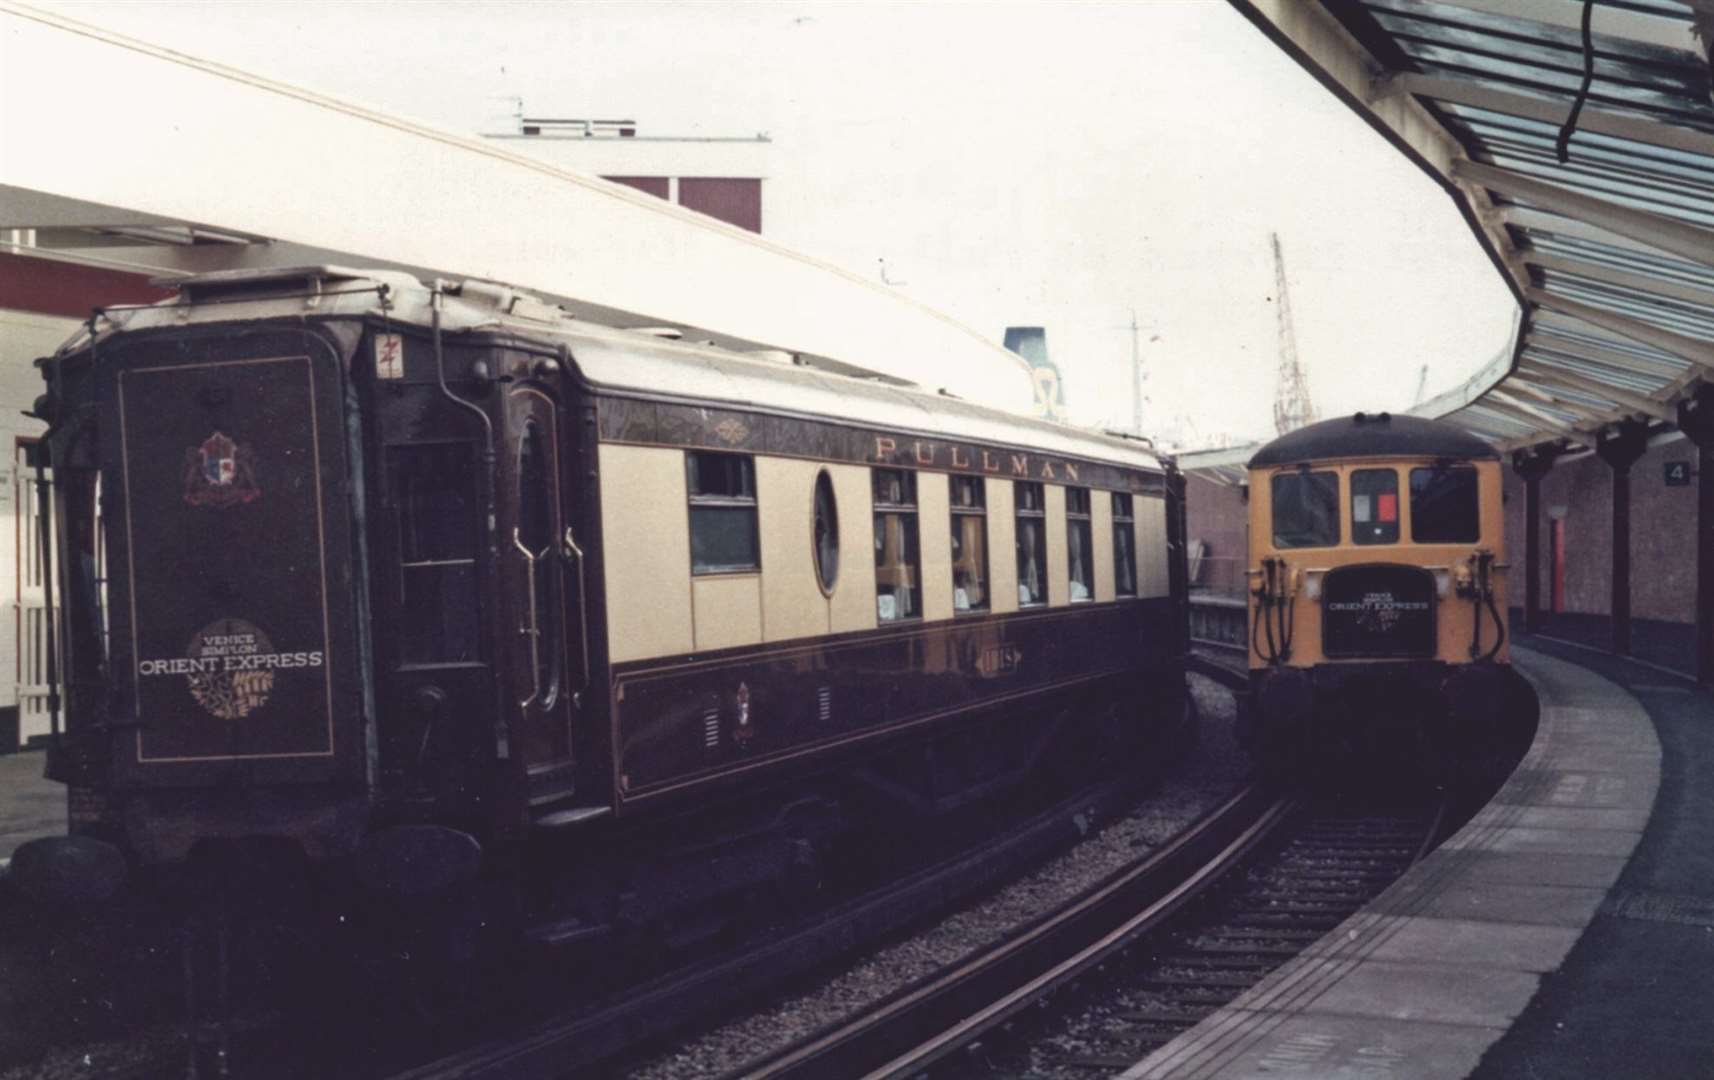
(1604, 230)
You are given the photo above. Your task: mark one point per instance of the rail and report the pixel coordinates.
(581, 1041)
(923, 1023)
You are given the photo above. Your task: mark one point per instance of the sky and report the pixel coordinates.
(1063, 165)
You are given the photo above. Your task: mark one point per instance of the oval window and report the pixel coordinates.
(826, 532)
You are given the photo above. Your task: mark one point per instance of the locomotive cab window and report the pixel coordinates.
(1080, 544)
(1031, 542)
(898, 563)
(969, 544)
(723, 537)
(1374, 506)
(1124, 544)
(1443, 505)
(1306, 509)
(434, 512)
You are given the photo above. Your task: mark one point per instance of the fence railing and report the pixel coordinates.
(1219, 575)
(1219, 601)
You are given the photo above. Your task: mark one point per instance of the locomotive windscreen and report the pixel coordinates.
(1378, 611)
(225, 571)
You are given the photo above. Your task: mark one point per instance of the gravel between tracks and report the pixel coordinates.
(1208, 773)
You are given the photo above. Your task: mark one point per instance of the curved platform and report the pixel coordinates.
(1558, 925)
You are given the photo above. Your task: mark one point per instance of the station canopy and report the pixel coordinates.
(1578, 140)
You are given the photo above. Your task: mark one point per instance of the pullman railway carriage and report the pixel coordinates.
(1377, 601)
(442, 585)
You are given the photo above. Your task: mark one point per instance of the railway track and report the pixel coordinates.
(1092, 988)
(580, 1041)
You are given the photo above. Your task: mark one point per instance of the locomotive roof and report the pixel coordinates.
(628, 361)
(1372, 435)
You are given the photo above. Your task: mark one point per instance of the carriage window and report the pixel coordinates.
(1306, 509)
(826, 532)
(1374, 506)
(1079, 544)
(1031, 542)
(722, 513)
(1443, 505)
(433, 492)
(969, 544)
(898, 588)
(1124, 541)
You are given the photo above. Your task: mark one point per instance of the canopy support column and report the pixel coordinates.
(1696, 420)
(1620, 449)
(1532, 465)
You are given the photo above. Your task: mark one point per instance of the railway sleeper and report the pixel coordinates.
(1322, 894)
(1288, 894)
(1312, 924)
(1193, 980)
(1373, 858)
(1379, 836)
(1372, 885)
(1228, 932)
(1400, 826)
(1165, 1015)
(1323, 849)
(1327, 877)
(1194, 967)
(1257, 905)
(1099, 1062)
(1239, 948)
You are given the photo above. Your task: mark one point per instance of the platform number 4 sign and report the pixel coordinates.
(390, 357)
(1678, 474)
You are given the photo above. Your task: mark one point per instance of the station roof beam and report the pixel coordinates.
(1609, 246)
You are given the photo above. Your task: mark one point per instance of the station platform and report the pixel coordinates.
(1566, 931)
(1669, 645)
(30, 804)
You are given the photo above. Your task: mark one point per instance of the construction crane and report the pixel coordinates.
(1292, 407)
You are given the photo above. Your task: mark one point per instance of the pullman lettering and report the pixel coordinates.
(953, 458)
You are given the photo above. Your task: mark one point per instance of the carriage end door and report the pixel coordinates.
(539, 580)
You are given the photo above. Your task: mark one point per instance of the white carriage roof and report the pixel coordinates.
(1608, 246)
(625, 360)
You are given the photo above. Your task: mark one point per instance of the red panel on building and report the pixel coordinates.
(654, 185)
(49, 287)
(738, 202)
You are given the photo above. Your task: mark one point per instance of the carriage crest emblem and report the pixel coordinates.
(220, 472)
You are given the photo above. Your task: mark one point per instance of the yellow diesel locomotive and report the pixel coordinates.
(1377, 604)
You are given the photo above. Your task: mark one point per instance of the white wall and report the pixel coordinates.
(23, 337)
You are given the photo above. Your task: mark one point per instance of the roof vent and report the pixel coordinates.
(773, 356)
(670, 333)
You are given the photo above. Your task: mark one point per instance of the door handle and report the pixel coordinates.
(570, 550)
(532, 629)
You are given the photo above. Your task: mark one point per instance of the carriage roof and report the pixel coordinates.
(1372, 435)
(630, 361)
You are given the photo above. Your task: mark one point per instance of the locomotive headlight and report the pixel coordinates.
(1442, 582)
(1312, 583)
(1462, 581)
